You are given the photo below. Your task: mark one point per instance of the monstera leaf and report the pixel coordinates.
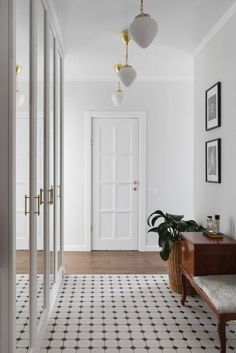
(168, 228)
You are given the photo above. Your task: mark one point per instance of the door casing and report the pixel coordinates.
(142, 117)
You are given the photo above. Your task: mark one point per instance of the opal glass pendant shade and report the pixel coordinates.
(143, 30)
(118, 97)
(127, 75)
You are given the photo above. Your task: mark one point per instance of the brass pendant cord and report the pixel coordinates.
(141, 6)
(126, 53)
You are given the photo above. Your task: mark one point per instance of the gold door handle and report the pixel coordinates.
(38, 205)
(26, 211)
(41, 192)
(51, 196)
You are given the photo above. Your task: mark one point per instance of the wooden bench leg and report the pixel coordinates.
(184, 289)
(221, 332)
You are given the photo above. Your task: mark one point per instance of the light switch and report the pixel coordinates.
(153, 192)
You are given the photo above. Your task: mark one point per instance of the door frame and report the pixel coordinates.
(142, 118)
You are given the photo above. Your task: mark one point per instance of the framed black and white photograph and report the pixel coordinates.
(213, 107)
(213, 161)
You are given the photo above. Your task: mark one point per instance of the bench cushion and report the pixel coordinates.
(220, 289)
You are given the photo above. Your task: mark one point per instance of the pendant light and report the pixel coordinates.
(143, 29)
(127, 73)
(118, 96)
(20, 97)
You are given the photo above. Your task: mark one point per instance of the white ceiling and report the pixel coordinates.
(92, 44)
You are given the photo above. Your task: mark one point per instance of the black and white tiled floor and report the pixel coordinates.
(22, 309)
(129, 314)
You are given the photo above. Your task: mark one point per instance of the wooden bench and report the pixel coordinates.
(219, 292)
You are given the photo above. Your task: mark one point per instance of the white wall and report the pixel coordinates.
(216, 62)
(170, 146)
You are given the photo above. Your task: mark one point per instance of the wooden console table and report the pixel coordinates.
(202, 257)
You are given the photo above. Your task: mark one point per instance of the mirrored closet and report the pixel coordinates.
(39, 189)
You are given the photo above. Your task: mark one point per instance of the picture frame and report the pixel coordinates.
(213, 161)
(213, 107)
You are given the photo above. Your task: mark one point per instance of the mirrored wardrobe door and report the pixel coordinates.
(51, 188)
(40, 157)
(22, 174)
(58, 160)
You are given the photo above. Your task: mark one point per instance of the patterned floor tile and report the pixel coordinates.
(129, 314)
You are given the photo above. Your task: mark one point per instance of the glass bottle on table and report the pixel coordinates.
(210, 224)
(217, 224)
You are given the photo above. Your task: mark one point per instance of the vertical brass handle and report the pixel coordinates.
(51, 196)
(58, 191)
(41, 191)
(26, 211)
(38, 205)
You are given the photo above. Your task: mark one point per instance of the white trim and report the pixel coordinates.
(33, 174)
(54, 290)
(25, 115)
(142, 116)
(75, 248)
(218, 26)
(151, 248)
(140, 79)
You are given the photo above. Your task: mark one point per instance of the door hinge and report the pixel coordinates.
(91, 228)
(92, 142)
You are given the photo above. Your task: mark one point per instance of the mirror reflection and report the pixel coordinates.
(22, 175)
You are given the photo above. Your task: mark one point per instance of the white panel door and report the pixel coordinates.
(115, 184)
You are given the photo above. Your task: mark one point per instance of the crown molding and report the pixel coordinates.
(142, 79)
(218, 26)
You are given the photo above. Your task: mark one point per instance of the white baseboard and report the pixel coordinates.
(152, 248)
(76, 248)
(84, 248)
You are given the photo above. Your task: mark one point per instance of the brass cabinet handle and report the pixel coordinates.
(26, 211)
(51, 196)
(41, 192)
(38, 205)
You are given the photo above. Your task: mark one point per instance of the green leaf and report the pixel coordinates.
(162, 227)
(161, 240)
(154, 230)
(165, 251)
(153, 221)
(175, 217)
(158, 212)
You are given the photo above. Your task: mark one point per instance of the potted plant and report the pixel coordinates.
(169, 228)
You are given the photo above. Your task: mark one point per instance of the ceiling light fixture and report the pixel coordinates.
(127, 73)
(118, 96)
(143, 29)
(20, 97)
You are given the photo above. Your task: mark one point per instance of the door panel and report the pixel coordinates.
(40, 158)
(50, 191)
(115, 196)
